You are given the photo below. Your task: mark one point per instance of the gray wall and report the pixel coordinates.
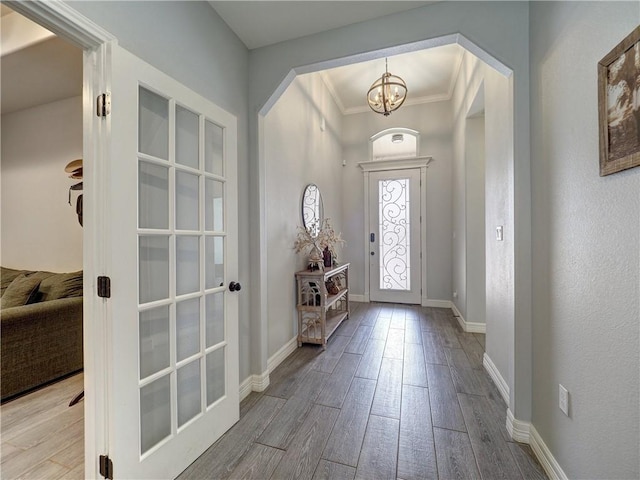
(191, 43)
(433, 121)
(297, 152)
(586, 249)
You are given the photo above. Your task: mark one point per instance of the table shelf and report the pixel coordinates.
(320, 313)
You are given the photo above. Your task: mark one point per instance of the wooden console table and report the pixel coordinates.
(319, 311)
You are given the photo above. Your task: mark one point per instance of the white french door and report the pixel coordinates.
(394, 239)
(173, 356)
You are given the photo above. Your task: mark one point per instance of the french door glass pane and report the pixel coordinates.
(153, 124)
(189, 397)
(153, 181)
(155, 412)
(186, 137)
(154, 340)
(215, 375)
(187, 328)
(187, 264)
(154, 268)
(394, 234)
(187, 201)
(213, 148)
(214, 206)
(215, 318)
(214, 250)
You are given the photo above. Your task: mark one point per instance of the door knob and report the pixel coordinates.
(235, 287)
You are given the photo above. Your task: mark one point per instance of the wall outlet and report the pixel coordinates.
(455, 294)
(564, 399)
(499, 233)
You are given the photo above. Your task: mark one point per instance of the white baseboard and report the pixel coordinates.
(469, 327)
(494, 373)
(518, 430)
(246, 387)
(549, 463)
(279, 357)
(426, 302)
(358, 298)
(259, 383)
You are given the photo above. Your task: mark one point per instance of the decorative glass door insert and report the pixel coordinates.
(394, 267)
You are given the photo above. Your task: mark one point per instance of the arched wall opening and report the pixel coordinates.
(498, 80)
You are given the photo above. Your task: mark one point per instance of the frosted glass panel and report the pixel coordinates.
(187, 264)
(215, 318)
(153, 124)
(214, 206)
(215, 375)
(187, 211)
(187, 328)
(154, 268)
(154, 341)
(214, 261)
(395, 226)
(186, 137)
(189, 398)
(155, 412)
(213, 148)
(153, 204)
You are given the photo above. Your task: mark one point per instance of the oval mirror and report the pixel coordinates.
(312, 211)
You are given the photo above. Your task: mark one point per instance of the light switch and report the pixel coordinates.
(499, 233)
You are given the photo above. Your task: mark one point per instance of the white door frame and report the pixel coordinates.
(387, 165)
(96, 43)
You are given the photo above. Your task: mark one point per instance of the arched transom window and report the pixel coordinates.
(394, 143)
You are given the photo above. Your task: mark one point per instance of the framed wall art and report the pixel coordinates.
(619, 106)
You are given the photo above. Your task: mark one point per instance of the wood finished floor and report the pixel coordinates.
(400, 393)
(41, 436)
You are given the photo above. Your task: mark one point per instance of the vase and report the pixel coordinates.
(326, 256)
(316, 262)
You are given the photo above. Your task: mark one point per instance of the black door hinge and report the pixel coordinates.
(104, 287)
(106, 467)
(103, 105)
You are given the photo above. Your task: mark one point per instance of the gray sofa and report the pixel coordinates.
(40, 340)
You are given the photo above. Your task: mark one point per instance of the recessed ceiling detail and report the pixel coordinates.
(430, 74)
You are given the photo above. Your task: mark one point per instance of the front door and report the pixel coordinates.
(173, 346)
(394, 238)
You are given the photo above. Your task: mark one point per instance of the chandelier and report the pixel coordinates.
(387, 93)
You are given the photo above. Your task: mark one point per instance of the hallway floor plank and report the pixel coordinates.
(399, 393)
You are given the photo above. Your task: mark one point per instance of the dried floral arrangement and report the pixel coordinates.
(327, 237)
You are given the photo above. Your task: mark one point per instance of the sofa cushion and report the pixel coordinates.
(62, 285)
(20, 291)
(7, 275)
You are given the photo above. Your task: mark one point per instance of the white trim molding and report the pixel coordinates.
(436, 303)
(259, 383)
(519, 430)
(353, 297)
(469, 327)
(280, 356)
(549, 463)
(495, 375)
(395, 164)
(246, 387)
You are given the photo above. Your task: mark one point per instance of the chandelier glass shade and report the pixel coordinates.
(387, 93)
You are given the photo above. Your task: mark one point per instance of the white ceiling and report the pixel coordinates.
(261, 23)
(37, 73)
(52, 70)
(430, 76)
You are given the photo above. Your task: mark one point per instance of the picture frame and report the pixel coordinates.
(619, 106)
